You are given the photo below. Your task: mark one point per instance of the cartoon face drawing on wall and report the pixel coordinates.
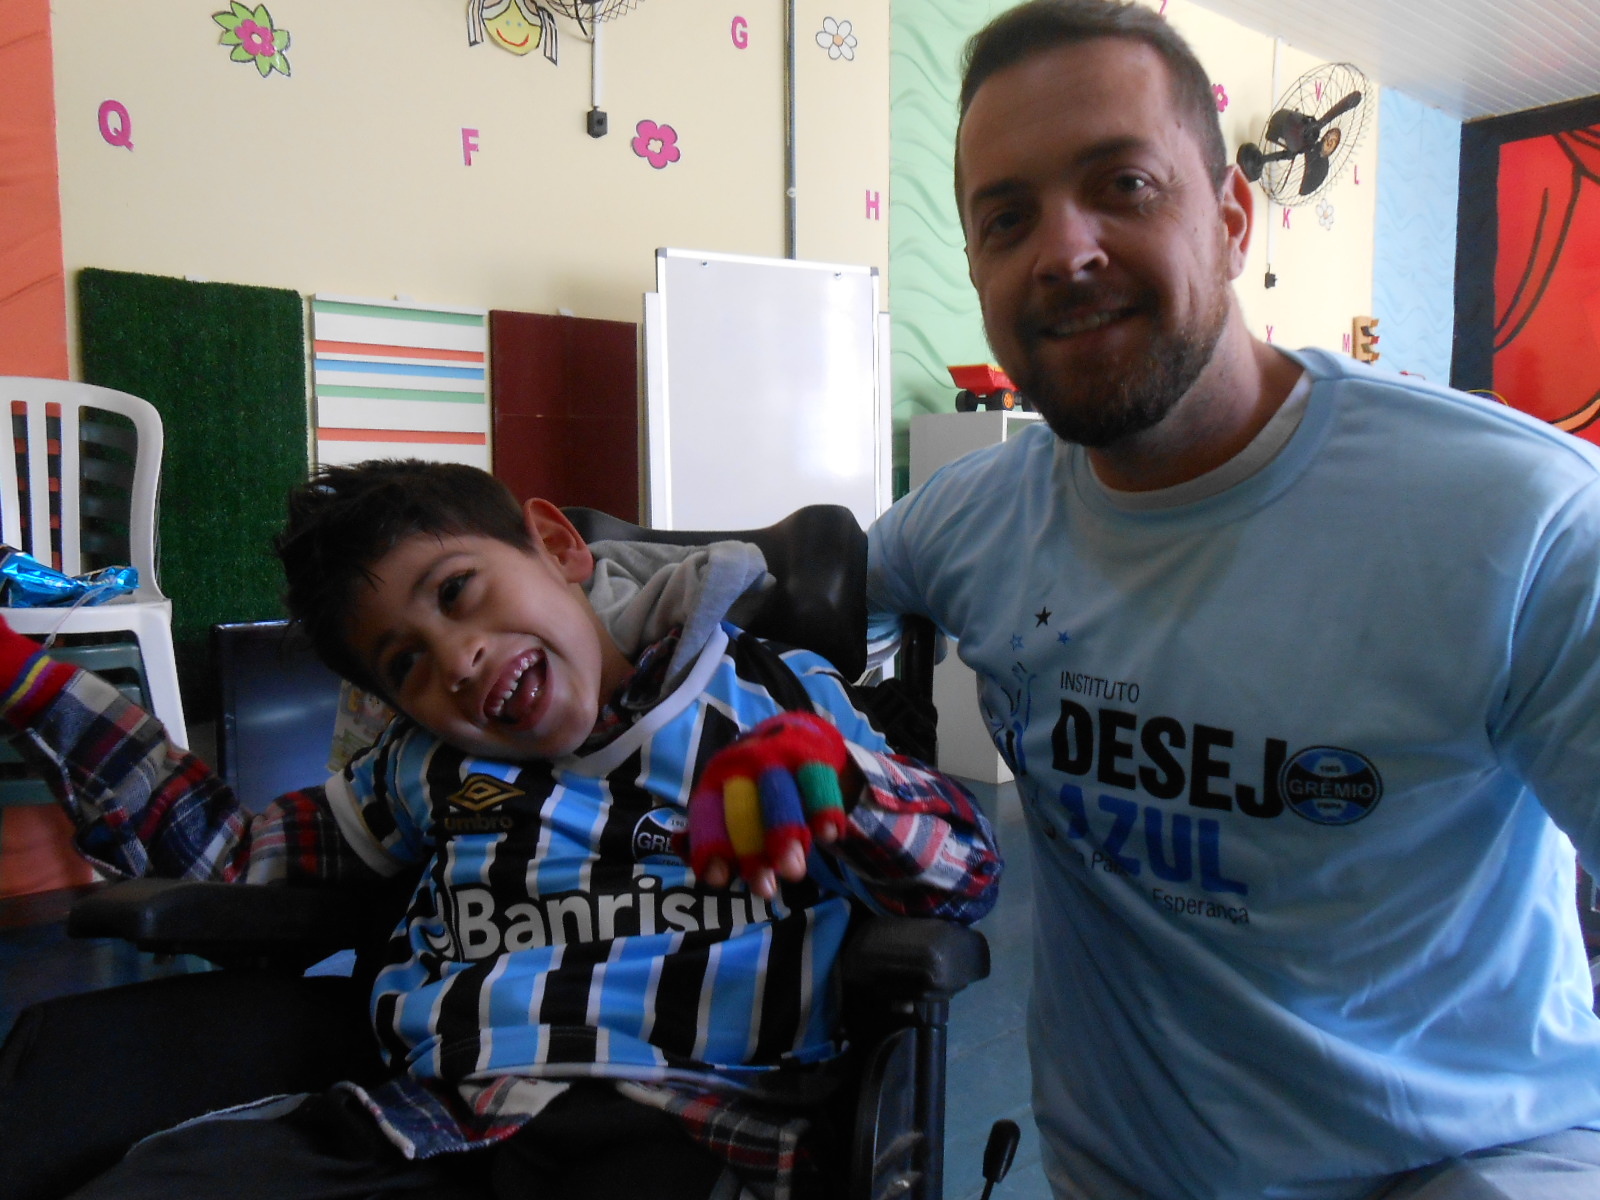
(519, 26)
(510, 29)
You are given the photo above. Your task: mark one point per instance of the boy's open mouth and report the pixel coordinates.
(514, 694)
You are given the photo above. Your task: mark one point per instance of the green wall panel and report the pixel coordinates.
(224, 364)
(934, 311)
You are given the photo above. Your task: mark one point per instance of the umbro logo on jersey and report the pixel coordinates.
(479, 792)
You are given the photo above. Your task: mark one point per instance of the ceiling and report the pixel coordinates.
(1470, 58)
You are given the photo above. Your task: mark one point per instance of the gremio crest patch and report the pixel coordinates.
(1329, 785)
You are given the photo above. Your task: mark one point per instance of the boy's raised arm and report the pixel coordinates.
(800, 788)
(142, 805)
(919, 842)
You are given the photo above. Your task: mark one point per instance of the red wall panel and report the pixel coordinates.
(1547, 279)
(33, 295)
(565, 392)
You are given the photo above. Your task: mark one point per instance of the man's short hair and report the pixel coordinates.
(1042, 25)
(345, 518)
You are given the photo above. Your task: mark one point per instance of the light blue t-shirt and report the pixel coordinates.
(1301, 761)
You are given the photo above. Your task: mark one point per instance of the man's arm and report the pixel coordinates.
(895, 585)
(1549, 721)
(142, 805)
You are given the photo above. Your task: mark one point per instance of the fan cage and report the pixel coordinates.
(1281, 180)
(585, 13)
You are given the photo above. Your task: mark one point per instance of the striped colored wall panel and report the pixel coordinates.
(399, 380)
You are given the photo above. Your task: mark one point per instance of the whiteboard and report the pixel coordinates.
(765, 389)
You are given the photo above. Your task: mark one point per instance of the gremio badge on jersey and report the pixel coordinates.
(1330, 786)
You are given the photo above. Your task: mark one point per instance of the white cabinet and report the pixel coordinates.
(964, 745)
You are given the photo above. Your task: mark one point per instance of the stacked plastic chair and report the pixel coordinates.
(79, 493)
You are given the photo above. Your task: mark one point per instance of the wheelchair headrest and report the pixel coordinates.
(817, 554)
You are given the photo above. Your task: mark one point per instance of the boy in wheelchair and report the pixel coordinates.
(574, 1005)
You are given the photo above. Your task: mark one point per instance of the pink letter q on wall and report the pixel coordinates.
(115, 124)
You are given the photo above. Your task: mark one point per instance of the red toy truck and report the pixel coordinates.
(984, 386)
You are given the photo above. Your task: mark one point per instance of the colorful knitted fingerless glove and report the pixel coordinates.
(780, 785)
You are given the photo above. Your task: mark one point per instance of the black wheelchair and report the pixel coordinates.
(65, 1117)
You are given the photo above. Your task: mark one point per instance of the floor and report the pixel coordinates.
(987, 1054)
(988, 1075)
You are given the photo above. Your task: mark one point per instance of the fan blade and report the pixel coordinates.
(1251, 161)
(1315, 174)
(1339, 110)
(1293, 130)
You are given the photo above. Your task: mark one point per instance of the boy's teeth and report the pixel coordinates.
(497, 704)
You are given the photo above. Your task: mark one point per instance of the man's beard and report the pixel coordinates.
(1111, 401)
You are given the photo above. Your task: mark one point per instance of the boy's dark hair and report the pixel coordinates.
(1042, 25)
(345, 518)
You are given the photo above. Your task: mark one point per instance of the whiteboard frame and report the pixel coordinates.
(867, 497)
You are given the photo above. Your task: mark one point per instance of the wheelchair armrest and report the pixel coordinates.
(910, 959)
(231, 924)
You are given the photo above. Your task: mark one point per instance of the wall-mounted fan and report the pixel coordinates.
(1310, 136)
(592, 12)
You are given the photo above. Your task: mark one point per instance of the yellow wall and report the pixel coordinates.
(348, 176)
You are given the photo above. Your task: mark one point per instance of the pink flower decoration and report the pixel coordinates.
(657, 143)
(1221, 93)
(257, 39)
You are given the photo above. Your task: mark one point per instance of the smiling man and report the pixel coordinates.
(1103, 226)
(1298, 668)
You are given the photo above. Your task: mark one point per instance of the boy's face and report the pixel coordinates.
(492, 648)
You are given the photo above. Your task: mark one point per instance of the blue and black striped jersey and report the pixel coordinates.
(554, 933)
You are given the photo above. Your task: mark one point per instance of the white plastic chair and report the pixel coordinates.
(147, 613)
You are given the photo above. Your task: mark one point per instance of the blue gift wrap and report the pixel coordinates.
(28, 583)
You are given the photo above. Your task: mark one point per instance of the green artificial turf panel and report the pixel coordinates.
(225, 366)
